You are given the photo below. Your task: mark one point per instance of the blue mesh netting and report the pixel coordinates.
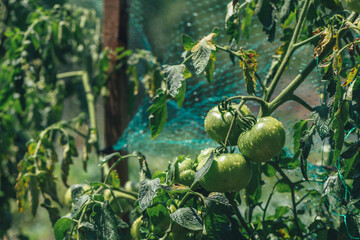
(156, 26)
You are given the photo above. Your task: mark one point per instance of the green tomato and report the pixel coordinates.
(265, 139)
(217, 124)
(184, 173)
(353, 5)
(67, 197)
(135, 229)
(230, 172)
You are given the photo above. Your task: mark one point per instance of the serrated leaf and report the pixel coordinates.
(187, 41)
(158, 114)
(202, 52)
(188, 218)
(107, 158)
(61, 227)
(147, 192)
(203, 170)
(174, 76)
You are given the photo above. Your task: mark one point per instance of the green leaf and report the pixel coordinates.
(202, 53)
(218, 221)
(34, 193)
(299, 131)
(87, 231)
(209, 70)
(232, 22)
(174, 76)
(188, 218)
(80, 203)
(253, 189)
(246, 21)
(203, 170)
(187, 41)
(158, 114)
(61, 227)
(283, 187)
(322, 121)
(107, 158)
(350, 163)
(268, 170)
(180, 97)
(147, 192)
(281, 211)
(339, 135)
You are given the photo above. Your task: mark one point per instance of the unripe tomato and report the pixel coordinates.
(217, 124)
(67, 197)
(135, 228)
(230, 172)
(353, 5)
(265, 139)
(184, 173)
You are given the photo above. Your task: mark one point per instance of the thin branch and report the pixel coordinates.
(302, 199)
(306, 41)
(299, 100)
(230, 197)
(269, 199)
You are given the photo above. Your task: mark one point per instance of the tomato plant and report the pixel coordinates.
(205, 198)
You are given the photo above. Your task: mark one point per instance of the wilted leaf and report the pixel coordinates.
(202, 52)
(174, 76)
(147, 192)
(187, 218)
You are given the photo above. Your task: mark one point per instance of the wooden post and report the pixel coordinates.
(115, 27)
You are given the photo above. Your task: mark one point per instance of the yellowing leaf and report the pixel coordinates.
(351, 76)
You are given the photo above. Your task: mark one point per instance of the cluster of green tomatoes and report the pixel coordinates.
(258, 140)
(229, 125)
